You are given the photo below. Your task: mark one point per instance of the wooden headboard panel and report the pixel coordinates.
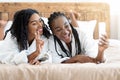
(88, 11)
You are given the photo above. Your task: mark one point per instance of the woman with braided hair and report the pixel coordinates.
(70, 45)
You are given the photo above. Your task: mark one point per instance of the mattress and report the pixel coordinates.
(110, 70)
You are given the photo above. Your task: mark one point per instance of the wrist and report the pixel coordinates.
(37, 52)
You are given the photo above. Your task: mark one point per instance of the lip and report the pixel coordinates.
(40, 30)
(67, 36)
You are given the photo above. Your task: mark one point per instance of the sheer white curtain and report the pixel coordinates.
(119, 27)
(115, 18)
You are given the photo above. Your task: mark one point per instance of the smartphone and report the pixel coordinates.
(43, 59)
(102, 28)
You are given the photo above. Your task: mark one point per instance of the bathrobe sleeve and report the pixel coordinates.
(9, 53)
(56, 58)
(88, 46)
(44, 53)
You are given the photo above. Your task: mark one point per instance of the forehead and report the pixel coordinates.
(61, 20)
(35, 16)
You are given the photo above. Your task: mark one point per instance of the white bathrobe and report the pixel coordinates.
(88, 47)
(10, 54)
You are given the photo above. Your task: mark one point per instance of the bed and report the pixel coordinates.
(110, 70)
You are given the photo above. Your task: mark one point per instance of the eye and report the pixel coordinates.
(34, 23)
(40, 20)
(58, 30)
(66, 26)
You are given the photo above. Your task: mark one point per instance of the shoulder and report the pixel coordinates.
(51, 38)
(44, 38)
(80, 32)
(9, 39)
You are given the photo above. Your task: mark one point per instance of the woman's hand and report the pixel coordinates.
(34, 62)
(83, 59)
(103, 43)
(39, 45)
(39, 42)
(80, 59)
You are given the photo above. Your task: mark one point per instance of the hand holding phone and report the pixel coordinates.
(43, 59)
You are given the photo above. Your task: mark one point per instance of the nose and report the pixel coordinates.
(40, 24)
(65, 31)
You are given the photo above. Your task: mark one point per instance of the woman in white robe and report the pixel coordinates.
(26, 41)
(70, 45)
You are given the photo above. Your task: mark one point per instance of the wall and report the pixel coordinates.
(114, 12)
(47, 0)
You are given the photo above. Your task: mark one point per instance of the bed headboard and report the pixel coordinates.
(88, 11)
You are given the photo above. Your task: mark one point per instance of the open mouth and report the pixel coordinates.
(40, 30)
(67, 37)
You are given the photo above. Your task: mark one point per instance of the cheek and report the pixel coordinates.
(58, 35)
(70, 31)
(32, 30)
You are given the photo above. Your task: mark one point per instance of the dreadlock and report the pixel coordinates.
(19, 28)
(54, 16)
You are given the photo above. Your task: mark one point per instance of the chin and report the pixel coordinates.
(41, 33)
(67, 41)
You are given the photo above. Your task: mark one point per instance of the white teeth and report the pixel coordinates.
(66, 36)
(40, 29)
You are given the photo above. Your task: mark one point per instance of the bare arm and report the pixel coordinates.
(81, 59)
(103, 44)
(39, 44)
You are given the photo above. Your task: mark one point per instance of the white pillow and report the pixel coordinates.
(8, 25)
(87, 27)
(45, 20)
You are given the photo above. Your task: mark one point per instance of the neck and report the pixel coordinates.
(30, 40)
(69, 46)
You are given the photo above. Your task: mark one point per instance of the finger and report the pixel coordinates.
(41, 42)
(105, 36)
(101, 42)
(32, 62)
(35, 35)
(38, 35)
(37, 63)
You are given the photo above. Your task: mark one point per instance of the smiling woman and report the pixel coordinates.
(26, 37)
(110, 70)
(71, 44)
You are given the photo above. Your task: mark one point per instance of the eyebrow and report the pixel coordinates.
(35, 20)
(58, 26)
(65, 23)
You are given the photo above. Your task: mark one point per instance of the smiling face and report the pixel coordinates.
(35, 25)
(61, 28)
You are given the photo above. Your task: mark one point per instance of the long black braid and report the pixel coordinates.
(54, 16)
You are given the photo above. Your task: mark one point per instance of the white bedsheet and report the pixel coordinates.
(110, 70)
